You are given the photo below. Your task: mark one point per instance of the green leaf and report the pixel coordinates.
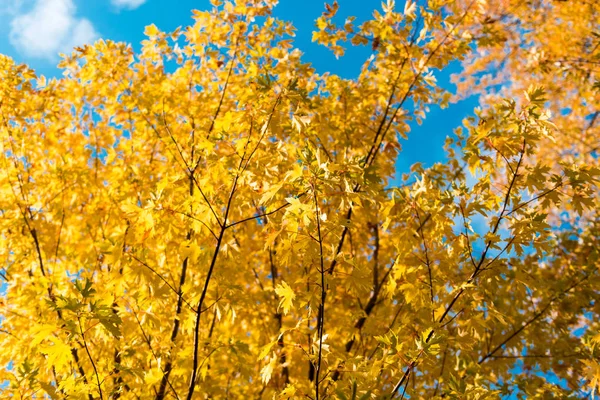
(85, 288)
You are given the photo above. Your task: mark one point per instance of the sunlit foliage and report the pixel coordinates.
(211, 218)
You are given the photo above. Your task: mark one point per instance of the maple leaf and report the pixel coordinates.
(287, 295)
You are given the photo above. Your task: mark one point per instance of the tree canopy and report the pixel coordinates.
(211, 218)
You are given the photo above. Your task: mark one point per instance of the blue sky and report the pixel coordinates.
(35, 31)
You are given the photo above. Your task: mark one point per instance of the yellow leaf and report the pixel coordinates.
(267, 370)
(288, 392)
(151, 31)
(269, 193)
(409, 9)
(295, 173)
(265, 350)
(42, 332)
(287, 295)
(58, 353)
(153, 376)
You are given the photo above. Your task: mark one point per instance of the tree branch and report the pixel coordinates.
(534, 318)
(87, 350)
(321, 320)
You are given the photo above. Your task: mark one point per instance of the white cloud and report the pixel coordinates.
(129, 4)
(49, 28)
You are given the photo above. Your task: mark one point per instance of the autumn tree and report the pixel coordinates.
(211, 218)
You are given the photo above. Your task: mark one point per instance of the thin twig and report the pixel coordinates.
(193, 218)
(534, 318)
(149, 343)
(224, 226)
(321, 320)
(473, 276)
(428, 264)
(87, 350)
(266, 214)
(164, 280)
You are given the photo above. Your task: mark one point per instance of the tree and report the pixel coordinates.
(210, 218)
